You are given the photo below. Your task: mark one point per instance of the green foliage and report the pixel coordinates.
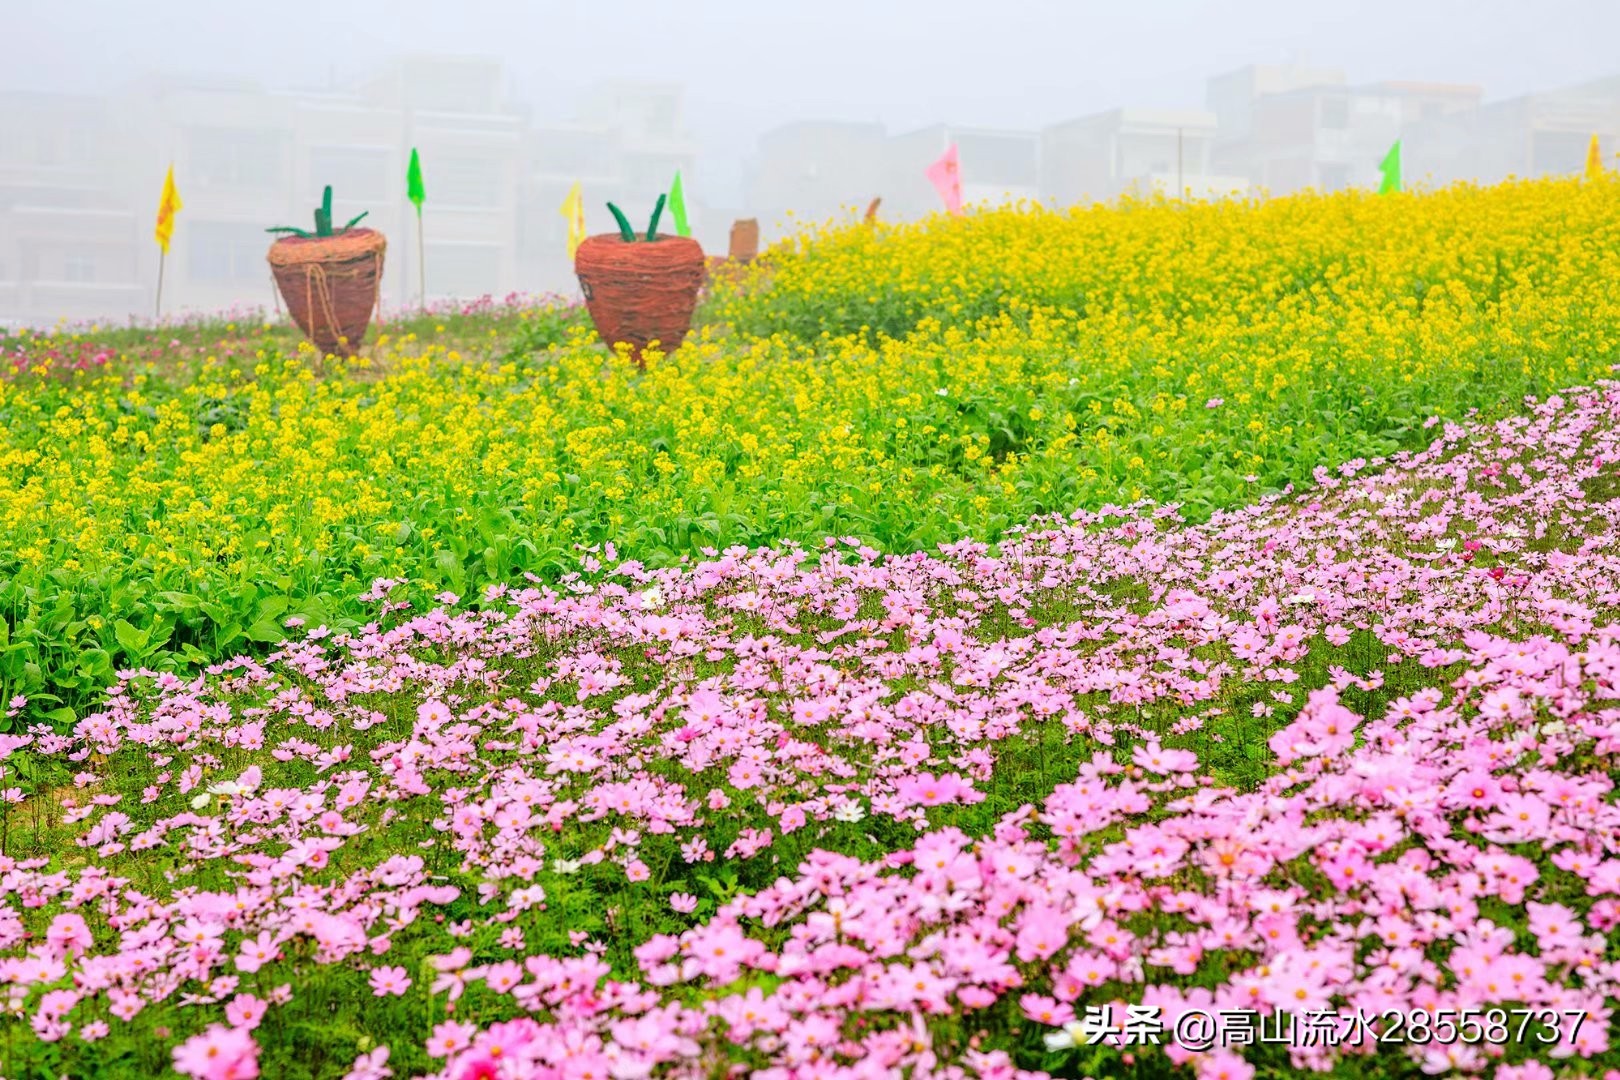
(628, 234)
(652, 225)
(323, 220)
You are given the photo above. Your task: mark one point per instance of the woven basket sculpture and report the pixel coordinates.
(330, 284)
(329, 278)
(640, 288)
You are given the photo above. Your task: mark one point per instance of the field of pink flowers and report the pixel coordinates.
(836, 813)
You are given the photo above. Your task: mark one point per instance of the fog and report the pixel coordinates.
(764, 107)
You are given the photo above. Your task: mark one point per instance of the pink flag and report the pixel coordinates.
(946, 176)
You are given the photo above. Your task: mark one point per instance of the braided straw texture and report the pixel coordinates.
(640, 293)
(330, 284)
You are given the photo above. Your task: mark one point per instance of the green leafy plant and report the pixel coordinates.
(323, 220)
(627, 234)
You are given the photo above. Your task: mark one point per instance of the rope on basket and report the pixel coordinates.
(316, 270)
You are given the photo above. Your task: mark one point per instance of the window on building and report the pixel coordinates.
(577, 153)
(1335, 113)
(466, 271)
(355, 172)
(47, 147)
(77, 266)
(660, 115)
(228, 157)
(652, 173)
(452, 88)
(998, 159)
(472, 182)
(223, 251)
(82, 144)
(1333, 176)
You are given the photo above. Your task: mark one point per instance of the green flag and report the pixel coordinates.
(413, 182)
(677, 206)
(1391, 168)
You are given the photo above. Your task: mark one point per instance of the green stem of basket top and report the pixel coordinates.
(627, 234)
(323, 220)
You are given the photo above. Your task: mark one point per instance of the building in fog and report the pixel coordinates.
(1232, 96)
(816, 170)
(1136, 150)
(1332, 136)
(998, 166)
(1543, 134)
(247, 158)
(80, 178)
(69, 243)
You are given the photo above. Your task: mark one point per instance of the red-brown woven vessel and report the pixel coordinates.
(640, 293)
(330, 284)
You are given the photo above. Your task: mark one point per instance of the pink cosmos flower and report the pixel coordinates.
(68, 934)
(1155, 759)
(1223, 1064)
(257, 952)
(370, 1066)
(245, 1011)
(220, 1053)
(386, 981)
(449, 1037)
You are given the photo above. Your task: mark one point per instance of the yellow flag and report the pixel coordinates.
(1594, 160)
(573, 208)
(168, 206)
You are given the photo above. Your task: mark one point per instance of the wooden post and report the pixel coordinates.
(163, 257)
(421, 261)
(744, 240)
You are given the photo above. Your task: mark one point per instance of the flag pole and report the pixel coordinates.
(168, 205)
(415, 193)
(421, 261)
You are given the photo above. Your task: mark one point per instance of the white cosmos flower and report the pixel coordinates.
(849, 811)
(1073, 1033)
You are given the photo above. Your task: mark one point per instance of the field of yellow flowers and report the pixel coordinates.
(905, 385)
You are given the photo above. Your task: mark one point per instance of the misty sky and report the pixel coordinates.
(749, 65)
